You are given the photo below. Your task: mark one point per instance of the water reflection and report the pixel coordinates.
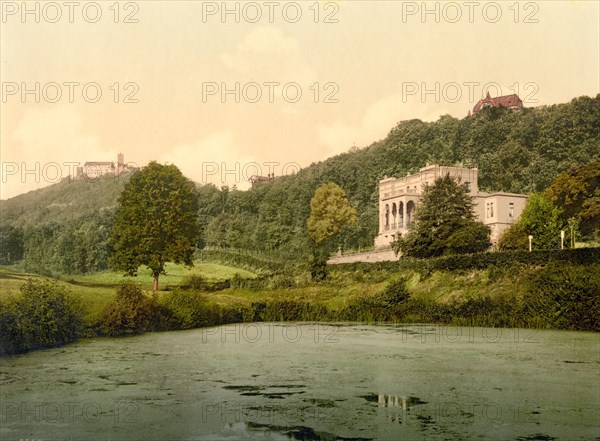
(384, 400)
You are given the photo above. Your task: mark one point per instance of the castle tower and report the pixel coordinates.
(120, 163)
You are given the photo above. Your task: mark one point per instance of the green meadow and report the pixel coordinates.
(98, 290)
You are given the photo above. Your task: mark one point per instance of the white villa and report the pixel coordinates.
(398, 198)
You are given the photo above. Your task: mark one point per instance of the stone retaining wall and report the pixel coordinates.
(372, 256)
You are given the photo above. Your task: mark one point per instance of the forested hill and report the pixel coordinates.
(62, 228)
(516, 151)
(70, 200)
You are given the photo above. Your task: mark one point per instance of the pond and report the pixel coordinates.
(303, 381)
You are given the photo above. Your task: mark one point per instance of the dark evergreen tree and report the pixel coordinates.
(444, 223)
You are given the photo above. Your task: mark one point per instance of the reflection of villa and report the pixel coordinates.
(384, 400)
(398, 198)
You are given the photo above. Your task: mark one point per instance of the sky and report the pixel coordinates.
(226, 90)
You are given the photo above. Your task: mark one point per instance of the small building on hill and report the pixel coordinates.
(507, 101)
(398, 199)
(257, 179)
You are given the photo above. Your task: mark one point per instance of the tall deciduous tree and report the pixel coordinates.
(444, 223)
(11, 244)
(540, 219)
(577, 193)
(330, 211)
(156, 221)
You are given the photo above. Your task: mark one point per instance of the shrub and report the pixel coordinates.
(514, 238)
(564, 296)
(374, 308)
(318, 268)
(130, 313)
(292, 310)
(236, 281)
(281, 281)
(486, 311)
(194, 282)
(186, 309)
(395, 292)
(254, 312)
(44, 315)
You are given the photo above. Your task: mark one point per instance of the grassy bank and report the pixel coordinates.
(560, 291)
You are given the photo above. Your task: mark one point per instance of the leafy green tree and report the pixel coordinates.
(216, 231)
(444, 223)
(577, 193)
(39, 248)
(540, 219)
(11, 244)
(156, 221)
(573, 227)
(469, 238)
(514, 238)
(210, 205)
(330, 211)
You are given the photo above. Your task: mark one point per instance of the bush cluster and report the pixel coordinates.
(43, 315)
(132, 312)
(185, 309)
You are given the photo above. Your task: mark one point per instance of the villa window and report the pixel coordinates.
(468, 186)
(511, 210)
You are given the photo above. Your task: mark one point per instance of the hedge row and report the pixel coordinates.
(479, 261)
(240, 260)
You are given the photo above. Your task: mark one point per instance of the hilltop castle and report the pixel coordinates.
(96, 169)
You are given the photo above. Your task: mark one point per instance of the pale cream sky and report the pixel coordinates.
(372, 59)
